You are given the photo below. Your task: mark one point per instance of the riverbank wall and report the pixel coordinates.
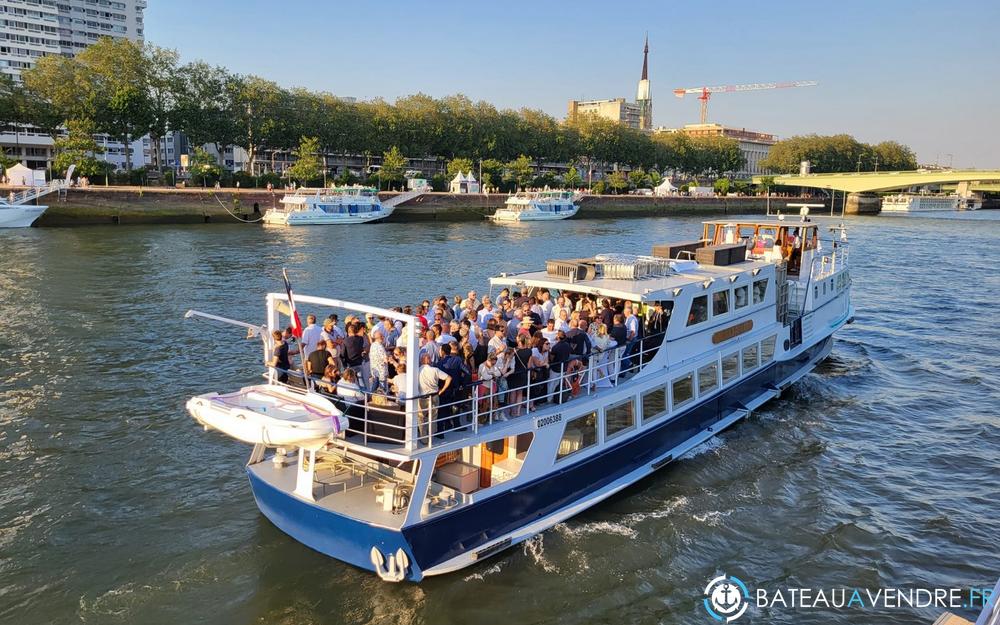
(135, 205)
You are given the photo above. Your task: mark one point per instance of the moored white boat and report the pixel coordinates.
(19, 215)
(921, 203)
(537, 206)
(335, 205)
(416, 488)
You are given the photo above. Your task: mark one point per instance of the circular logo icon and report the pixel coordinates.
(726, 598)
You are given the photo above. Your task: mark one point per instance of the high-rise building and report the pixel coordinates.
(31, 29)
(638, 114)
(642, 95)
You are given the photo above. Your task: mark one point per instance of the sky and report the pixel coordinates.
(920, 72)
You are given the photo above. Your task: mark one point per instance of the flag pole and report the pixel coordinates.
(296, 327)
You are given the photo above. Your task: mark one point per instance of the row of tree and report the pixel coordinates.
(837, 153)
(129, 90)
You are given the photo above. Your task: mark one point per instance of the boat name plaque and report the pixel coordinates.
(732, 332)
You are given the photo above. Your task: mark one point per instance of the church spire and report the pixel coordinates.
(645, 59)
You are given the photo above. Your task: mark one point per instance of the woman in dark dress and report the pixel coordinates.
(518, 380)
(279, 357)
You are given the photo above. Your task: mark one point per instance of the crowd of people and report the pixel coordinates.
(510, 354)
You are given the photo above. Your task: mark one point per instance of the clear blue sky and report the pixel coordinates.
(918, 71)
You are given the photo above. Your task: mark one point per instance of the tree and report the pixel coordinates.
(79, 148)
(205, 108)
(393, 166)
(308, 165)
(163, 88)
(572, 178)
(256, 106)
(492, 172)
(203, 166)
(459, 165)
(638, 178)
(618, 181)
(837, 153)
(721, 186)
(520, 171)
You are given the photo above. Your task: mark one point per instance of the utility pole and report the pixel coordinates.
(876, 163)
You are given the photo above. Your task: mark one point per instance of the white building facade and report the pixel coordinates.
(31, 29)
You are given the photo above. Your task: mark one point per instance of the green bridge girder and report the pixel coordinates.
(883, 180)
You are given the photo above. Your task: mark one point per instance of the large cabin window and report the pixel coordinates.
(682, 390)
(699, 310)
(619, 418)
(730, 367)
(741, 296)
(708, 378)
(460, 472)
(767, 349)
(720, 302)
(749, 358)
(654, 404)
(580, 433)
(759, 291)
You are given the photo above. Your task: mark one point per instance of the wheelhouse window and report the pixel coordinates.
(654, 404)
(720, 302)
(741, 296)
(749, 358)
(759, 291)
(730, 367)
(579, 433)
(682, 390)
(618, 418)
(708, 378)
(767, 349)
(699, 310)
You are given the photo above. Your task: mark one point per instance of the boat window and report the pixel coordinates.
(741, 296)
(619, 418)
(759, 291)
(699, 310)
(708, 378)
(767, 350)
(749, 358)
(720, 303)
(580, 433)
(654, 404)
(683, 390)
(730, 367)
(459, 472)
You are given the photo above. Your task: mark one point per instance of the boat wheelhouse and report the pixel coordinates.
(335, 205)
(537, 206)
(407, 486)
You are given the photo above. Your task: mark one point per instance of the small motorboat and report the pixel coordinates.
(270, 415)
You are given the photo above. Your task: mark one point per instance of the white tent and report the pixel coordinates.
(665, 188)
(20, 176)
(463, 183)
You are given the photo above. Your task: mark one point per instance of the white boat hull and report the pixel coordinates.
(320, 218)
(20, 216)
(269, 415)
(507, 215)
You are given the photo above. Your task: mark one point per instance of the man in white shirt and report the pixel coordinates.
(310, 336)
(632, 333)
(485, 313)
(546, 305)
(429, 377)
(471, 299)
(379, 364)
(448, 335)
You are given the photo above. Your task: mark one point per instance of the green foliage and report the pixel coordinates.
(655, 178)
(520, 171)
(307, 165)
(79, 148)
(457, 165)
(346, 178)
(766, 183)
(393, 166)
(721, 186)
(572, 178)
(545, 179)
(439, 182)
(638, 178)
(837, 153)
(617, 181)
(203, 167)
(492, 172)
(742, 187)
(599, 188)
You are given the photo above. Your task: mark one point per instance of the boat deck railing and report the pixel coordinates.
(378, 418)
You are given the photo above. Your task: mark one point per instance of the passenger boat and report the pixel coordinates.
(748, 310)
(537, 206)
(335, 205)
(19, 215)
(916, 203)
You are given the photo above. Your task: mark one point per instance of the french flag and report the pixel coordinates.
(294, 314)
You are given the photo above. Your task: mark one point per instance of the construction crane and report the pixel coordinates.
(706, 92)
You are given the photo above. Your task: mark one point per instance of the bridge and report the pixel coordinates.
(886, 180)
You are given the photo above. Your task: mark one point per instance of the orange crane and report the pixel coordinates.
(706, 92)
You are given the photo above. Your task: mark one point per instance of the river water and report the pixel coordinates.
(879, 470)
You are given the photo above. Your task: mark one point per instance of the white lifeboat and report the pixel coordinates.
(269, 415)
